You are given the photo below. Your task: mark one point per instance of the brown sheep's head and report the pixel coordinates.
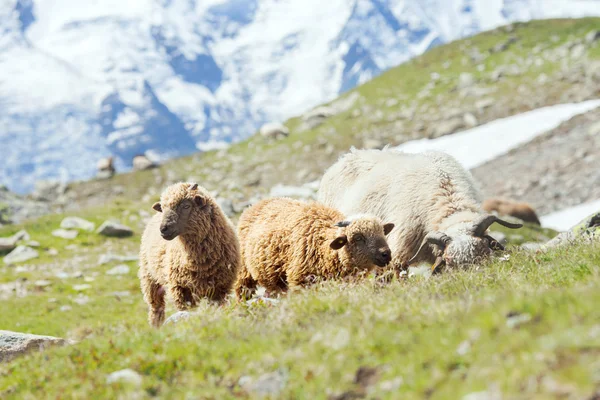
(363, 241)
(181, 203)
(467, 244)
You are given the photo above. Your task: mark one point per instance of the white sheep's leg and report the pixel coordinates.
(154, 296)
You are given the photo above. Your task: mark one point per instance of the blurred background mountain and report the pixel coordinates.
(81, 80)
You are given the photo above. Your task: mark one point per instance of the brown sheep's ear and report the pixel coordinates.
(200, 201)
(387, 228)
(157, 207)
(339, 242)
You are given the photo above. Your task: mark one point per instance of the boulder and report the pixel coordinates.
(587, 230)
(126, 376)
(178, 317)
(316, 117)
(9, 243)
(14, 344)
(77, 223)
(274, 130)
(48, 190)
(118, 270)
(449, 126)
(20, 254)
(226, 205)
(108, 258)
(466, 80)
(65, 233)
(114, 229)
(592, 36)
(141, 163)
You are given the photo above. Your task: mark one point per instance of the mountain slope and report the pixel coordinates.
(85, 79)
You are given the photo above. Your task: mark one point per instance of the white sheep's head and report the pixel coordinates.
(185, 209)
(468, 244)
(362, 240)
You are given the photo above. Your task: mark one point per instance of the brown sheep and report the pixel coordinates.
(516, 209)
(286, 242)
(189, 250)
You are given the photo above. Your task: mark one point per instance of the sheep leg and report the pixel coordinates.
(154, 296)
(245, 287)
(182, 297)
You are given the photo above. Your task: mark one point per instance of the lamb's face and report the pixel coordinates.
(363, 241)
(177, 210)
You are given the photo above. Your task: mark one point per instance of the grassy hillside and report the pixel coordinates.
(523, 326)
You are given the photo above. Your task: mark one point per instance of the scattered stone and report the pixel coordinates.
(470, 120)
(127, 376)
(118, 270)
(77, 223)
(81, 287)
(65, 308)
(592, 36)
(466, 80)
(267, 385)
(179, 316)
(48, 190)
(52, 252)
(32, 243)
(578, 51)
(114, 229)
(594, 129)
(20, 254)
(515, 319)
(42, 283)
(316, 117)
(586, 230)
(532, 246)
(108, 258)
(65, 233)
(484, 104)
(449, 126)
(141, 163)
(226, 205)
(14, 344)
(82, 300)
(274, 130)
(9, 243)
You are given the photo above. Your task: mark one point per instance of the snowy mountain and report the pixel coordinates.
(82, 79)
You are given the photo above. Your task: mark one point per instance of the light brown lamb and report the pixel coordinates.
(514, 208)
(189, 251)
(286, 243)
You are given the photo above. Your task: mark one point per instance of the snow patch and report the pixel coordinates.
(567, 218)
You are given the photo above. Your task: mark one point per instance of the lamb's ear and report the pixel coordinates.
(157, 207)
(339, 242)
(387, 228)
(200, 201)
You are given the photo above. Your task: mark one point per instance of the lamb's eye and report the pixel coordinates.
(186, 206)
(359, 238)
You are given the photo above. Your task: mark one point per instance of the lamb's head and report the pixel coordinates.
(362, 241)
(180, 204)
(465, 243)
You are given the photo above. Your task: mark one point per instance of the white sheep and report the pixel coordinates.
(430, 197)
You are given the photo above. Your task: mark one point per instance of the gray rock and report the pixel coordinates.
(274, 130)
(14, 344)
(470, 120)
(108, 258)
(141, 163)
(20, 254)
(594, 129)
(65, 233)
(48, 190)
(81, 287)
(114, 229)
(592, 36)
(373, 144)
(127, 376)
(532, 246)
(449, 126)
(104, 174)
(118, 270)
(226, 205)
(178, 317)
(578, 51)
(316, 117)
(587, 230)
(77, 223)
(466, 80)
(484, 103)
(267, 385)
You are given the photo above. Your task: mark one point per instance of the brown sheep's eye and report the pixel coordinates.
(359, 238)
(186, 206)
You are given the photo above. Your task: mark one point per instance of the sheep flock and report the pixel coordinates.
(378, 211)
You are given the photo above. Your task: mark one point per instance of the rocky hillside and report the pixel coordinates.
(82, 79)
(463, 84)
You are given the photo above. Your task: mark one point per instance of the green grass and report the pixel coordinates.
(442, 337)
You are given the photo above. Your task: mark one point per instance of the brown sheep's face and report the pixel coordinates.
(363, 241)
(175, 217)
